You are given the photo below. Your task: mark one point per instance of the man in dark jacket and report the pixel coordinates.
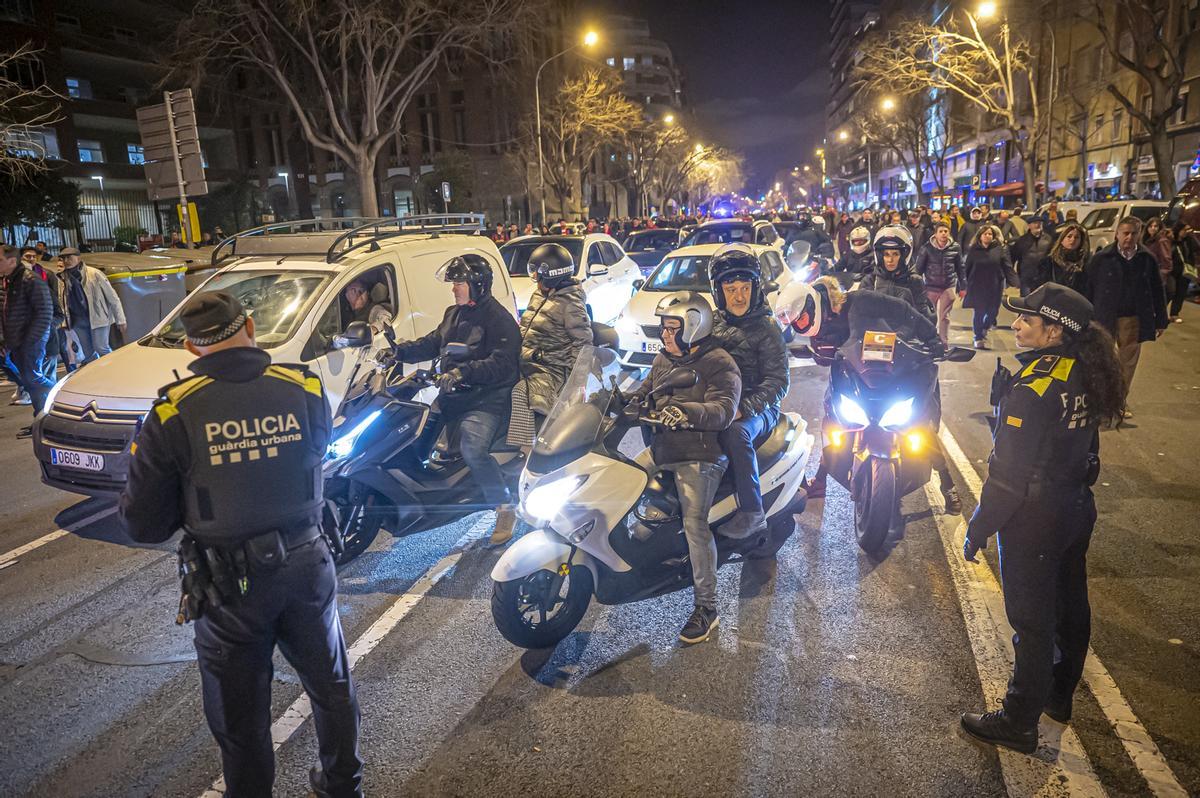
(857, 260)
(476, 392)
(940, 264)
(26, 313)
(968, 229)
(50, 363)
(749, 332)
(917, 229)
(1123, 283)
(1028, 251)
(688, 444)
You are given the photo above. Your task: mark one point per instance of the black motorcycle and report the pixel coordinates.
(886, 409)
(392, 463)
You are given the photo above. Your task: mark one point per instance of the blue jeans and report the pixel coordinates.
(27, 366)
(477, 430)
(94, 341)
(738, 442)
(984, 320)
(696, 484)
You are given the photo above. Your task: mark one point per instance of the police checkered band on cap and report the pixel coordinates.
(216, 337)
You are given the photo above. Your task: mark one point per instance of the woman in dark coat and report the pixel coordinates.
(1064, 265)
(988, 268)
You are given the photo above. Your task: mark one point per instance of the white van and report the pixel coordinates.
(294, 284)
(1101, 221)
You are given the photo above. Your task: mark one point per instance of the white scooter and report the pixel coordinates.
(610, 525)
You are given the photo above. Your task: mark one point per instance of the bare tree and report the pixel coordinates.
(584, 114)
(1149, 38)
(913, 127)
(348, 69)
(994, 77)
(27, 106)
(720, 172)
(646, 144)
(681, 163)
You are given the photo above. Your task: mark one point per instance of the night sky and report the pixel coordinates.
(756, 73)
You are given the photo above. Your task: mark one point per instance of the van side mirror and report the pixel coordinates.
(357, 335)
(638, 283)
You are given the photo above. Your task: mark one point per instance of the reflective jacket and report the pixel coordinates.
(1043, 441)
(554, 327)
(230, 453)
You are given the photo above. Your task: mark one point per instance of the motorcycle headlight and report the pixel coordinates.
(544, 501)
(344, 445)
(898, 414)
(851, 414)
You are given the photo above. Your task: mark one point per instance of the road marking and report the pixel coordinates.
(295, 716)
(980, 580)
(9, 557)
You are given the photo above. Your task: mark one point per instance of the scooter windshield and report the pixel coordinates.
(575, 419)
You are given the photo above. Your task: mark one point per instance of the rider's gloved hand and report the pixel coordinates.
(449, 381)
(673, 417)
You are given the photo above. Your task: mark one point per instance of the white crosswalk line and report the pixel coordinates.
(1139, 745)
(10, 556)
(295, 716)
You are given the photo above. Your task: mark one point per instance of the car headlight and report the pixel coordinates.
(544, 501)
(851, 414)
(345, 444)
(898, 414)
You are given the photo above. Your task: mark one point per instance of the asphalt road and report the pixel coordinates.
(832, 673)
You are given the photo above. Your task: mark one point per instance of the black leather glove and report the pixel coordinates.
(449, 381)
(673, 417)
(971, 547)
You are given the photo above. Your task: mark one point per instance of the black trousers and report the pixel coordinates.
(294, 607)
(1043, 570)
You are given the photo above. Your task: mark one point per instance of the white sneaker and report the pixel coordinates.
(20, 398)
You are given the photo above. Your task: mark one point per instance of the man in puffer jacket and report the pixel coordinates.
(26, 312)
(857, 260)
(748, 331)
(687, 444)
(940, 264)
(554, 327)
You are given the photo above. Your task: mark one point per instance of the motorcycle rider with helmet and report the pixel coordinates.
(687, 444)
(830, 317)
(818, 240)
(858, 260)
(746, 330)
(554, 327)
(893, 274)
(475, 392)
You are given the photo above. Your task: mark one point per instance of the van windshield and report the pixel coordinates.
(275, 300)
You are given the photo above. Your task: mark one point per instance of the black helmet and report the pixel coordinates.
(551, 265)
(471, 269)
(735, 262)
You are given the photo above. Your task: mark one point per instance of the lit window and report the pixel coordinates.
(90, 151)
(137, 154)
(79, 88)
(628, 63)
(612, 62)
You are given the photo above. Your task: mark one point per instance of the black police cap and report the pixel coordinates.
(212, 316)
(1056, 304)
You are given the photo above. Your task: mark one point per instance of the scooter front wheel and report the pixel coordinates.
(539, 610)
(354, 526)
(876, 505)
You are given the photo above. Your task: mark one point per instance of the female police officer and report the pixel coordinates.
(1038, 498)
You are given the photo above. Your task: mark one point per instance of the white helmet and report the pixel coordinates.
(818, 221)
(893, 236)
(799, 306)
(693, 312)
(862, 234)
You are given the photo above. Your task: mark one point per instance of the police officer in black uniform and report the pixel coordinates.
(1038, 498)
(233, 456)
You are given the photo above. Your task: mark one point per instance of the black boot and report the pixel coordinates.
(699, 626)
(950, 494)
(816, 488)
(998, 729)
(316, 782)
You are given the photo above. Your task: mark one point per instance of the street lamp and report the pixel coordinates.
(104, 204)
(843, 135)
(807, 168)
(589, 40)
(986, 10)
(888, 104)
(669, 119)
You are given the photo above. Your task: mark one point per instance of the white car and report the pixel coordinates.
(734, 231)
(685, 269)
(606, 273)
(1101, 222)
(293, 284)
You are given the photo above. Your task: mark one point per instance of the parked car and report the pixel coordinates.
(649, 247)
(734, 231)
(607, 274)
(1186, 205)
(685, 269)
(1101, 221)
(293, 285)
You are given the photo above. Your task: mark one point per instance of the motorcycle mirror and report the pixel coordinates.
(677, 380)
(603, 335)
(389, 334)
(456, 351)
(357, 334)
(798, 255)
(959, 354)
(770, 287)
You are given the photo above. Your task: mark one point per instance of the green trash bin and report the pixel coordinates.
(149, 286)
